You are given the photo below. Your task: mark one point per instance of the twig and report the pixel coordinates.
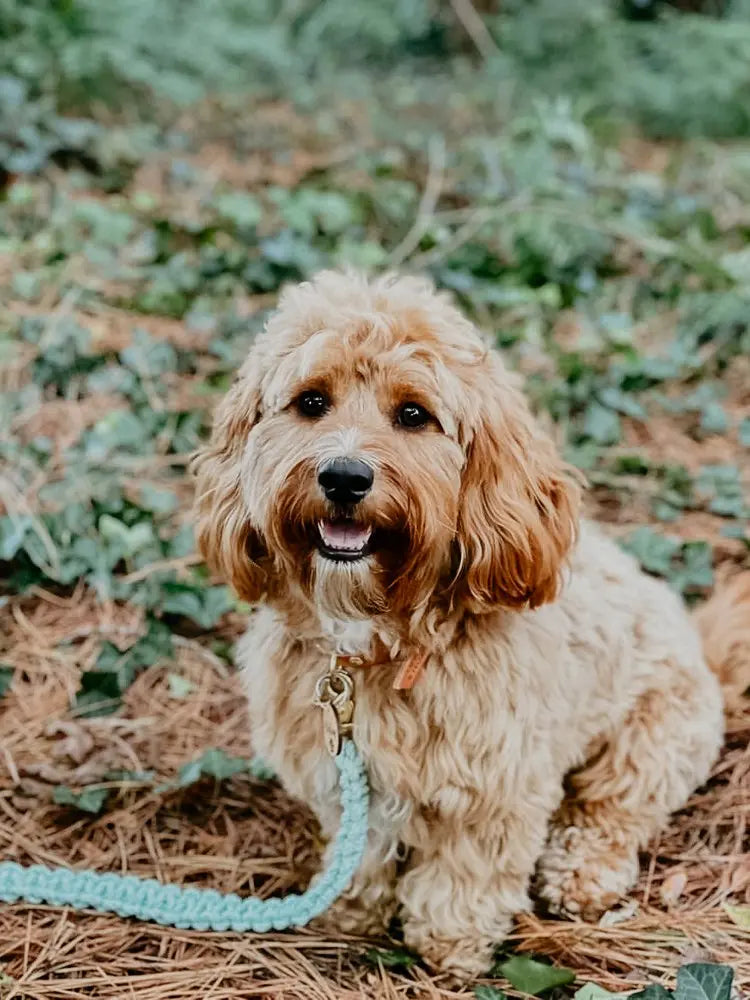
(161, 565)
(475, 28)
(205, 654)
(427, 203)
(462, 235)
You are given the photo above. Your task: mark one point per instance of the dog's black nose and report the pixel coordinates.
(346, 480)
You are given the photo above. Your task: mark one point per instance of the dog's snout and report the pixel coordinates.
(346, 480)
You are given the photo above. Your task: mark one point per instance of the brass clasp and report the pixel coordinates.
(334, 695)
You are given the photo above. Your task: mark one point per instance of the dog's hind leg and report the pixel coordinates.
(620, 800)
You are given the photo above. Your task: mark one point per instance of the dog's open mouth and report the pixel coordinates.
(343, 539)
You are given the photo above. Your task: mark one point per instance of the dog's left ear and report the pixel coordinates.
(518, 512)
(227, 541)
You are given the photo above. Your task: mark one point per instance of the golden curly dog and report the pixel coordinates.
(377, 484)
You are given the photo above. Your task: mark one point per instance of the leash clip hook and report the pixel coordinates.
(334, 695)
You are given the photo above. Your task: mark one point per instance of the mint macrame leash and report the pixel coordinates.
(206, 909)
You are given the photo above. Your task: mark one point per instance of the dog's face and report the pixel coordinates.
(351, 474)
(376, 458)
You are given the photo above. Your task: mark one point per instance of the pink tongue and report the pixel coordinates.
(344, 534)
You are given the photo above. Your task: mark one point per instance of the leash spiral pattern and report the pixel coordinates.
(207, 909)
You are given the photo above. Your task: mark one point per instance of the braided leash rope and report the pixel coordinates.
(207, 909)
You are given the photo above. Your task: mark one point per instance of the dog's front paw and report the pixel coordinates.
(463, 958)
(367, 916)
(583, 873)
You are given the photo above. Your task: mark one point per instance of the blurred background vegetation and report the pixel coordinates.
(577, 173)
(624, 60)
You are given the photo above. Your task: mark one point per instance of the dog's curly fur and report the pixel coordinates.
(566, 708)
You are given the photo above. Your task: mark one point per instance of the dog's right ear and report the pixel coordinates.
(518, 510)
(226, 539)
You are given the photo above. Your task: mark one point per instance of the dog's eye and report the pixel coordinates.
(413, 415)
(312, 403)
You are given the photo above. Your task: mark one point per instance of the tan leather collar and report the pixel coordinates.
(408, 674)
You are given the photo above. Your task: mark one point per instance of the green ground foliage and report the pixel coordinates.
(165, 168)
(696, 981)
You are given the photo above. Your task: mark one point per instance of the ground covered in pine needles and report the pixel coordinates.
(245, 836)
(139, 254)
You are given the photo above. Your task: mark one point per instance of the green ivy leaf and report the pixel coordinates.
(214, 763)
(155, 645)
(631, 465)
(391, 958)
(722, 485)
(130, 777)
(148, 356)
(157, 499)
(90, 800)
(6, 980)
(180, 687)
(307, 210)
(292, 253)
(663, 510)
(696, 571)
(26, 285)
(488, 993)
(590, 991)
(739, 915)
(601, 424)
(6, 678)
(126, 540)
(118, 431)
(714, 419)
(12, 534)
(653, 550)
(365, 255)
(703, 981)
(655, 991)
(688, 566)
(102, 688)
(205, 605)
(106, 225)
(530, 976)
(99, 692)
(182, 543)
(622, 402)
(182, 599)
(240, 208)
